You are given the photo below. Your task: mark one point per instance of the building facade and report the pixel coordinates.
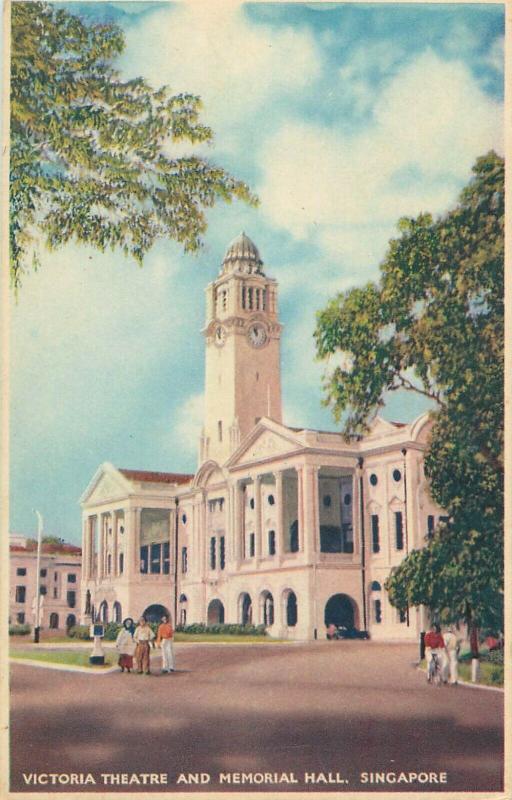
(60, 575)
(291, 528)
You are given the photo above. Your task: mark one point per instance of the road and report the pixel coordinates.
(342, 708)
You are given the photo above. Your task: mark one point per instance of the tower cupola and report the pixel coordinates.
(242, 256)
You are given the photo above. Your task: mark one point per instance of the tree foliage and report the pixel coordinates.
(434, 324)
(91, 154)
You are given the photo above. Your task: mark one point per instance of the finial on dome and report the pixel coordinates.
(242, 256)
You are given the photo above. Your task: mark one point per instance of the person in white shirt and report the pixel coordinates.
(452, 644)
(142, 637)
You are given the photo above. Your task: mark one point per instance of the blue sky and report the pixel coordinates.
(342, 117)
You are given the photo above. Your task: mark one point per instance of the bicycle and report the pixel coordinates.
(434, 671)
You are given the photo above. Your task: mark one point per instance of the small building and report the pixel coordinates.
(60, 573)
(282, 526)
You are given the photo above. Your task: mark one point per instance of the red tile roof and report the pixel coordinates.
(62, 549)
(156, 477)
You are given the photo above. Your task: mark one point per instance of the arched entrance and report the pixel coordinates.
(155, 612)
(117, 611)
(267, 608)
(215, 613)
(183, 609)
(70, 621)
(103, 612)
(54, 620)
(341, 610)
(245, 609)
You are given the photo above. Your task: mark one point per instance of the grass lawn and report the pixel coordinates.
(75, 658)
(178, 637)
(490, 674)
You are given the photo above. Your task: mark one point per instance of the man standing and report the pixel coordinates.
(452, 644)
(142, 637)
(434, 645)
(164, 640)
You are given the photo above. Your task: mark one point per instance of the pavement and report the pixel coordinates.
(334, 709)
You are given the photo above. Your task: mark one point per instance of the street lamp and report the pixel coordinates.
(38, 573)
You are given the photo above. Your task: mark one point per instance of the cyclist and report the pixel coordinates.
(434, 645)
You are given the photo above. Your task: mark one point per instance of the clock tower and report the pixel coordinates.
(243, 377)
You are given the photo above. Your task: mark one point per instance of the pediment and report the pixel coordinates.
(381, 427)
(265, 443)
(107, 483)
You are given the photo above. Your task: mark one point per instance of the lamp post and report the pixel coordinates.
(38, 573)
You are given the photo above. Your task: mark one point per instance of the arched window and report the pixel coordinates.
(88, 602)
(375, 587)
(377, 611)
(267, 608)
(118, 617)
(54, 620)
(291, 610)
(103, 612)
(70, 621)
(245, 609)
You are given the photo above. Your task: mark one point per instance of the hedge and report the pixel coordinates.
(19, 630)
(224, 629)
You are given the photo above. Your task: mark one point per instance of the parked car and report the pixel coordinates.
(351, 633)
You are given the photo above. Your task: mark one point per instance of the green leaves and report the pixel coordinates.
(434, 324)
(87, 149)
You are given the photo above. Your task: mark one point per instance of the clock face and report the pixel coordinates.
(220, 335)
(257, 335)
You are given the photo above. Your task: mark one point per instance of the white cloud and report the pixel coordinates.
(429, 124)
(187, 423)
(211, 49)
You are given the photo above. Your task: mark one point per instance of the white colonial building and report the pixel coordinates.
(287, 527)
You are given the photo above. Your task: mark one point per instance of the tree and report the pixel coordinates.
(434, 324)
(90, 153)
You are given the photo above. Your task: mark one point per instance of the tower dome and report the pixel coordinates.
(242, 256)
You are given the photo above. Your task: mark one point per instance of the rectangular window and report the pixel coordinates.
(271, 543)
(21, 571)
(184, 560)
(20, 617)
(219, 429)
(71, 578)
(377, 611)
(71, 598)
(399, 530)
(166, 559)
(251, 545)
(155, 566)
(444, 519)
(222, 552)
(42, 573)
(55, 576)
(430, 526)
(213, 553)
(55, 592)
(121, 563)
(375, 534)
(21, 593)
(42, 590)
(402, 615)
(144, 555)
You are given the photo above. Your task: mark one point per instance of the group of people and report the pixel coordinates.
(134, 642)
(446, 647)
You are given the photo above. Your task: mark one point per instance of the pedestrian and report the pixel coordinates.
(452, 644)
(331, 631)
(434, 645)
(125, 645)
(164, 638)
(142, 637)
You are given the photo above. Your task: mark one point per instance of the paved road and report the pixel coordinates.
(338, 707)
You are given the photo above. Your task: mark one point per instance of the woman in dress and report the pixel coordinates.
(125, 645)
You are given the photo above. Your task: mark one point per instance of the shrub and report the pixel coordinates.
(223, 629)
(495, 657)
(19, 630)
(495, 675)
(111, 631)
(79, 632)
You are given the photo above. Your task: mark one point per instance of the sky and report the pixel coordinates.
(342, 118)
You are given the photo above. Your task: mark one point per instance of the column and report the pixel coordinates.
(85, 549)
(91, 533)
(300, 505)
(115, 545)
(132, 539)
(311, 515)
(279, 514)
(237, 523)
(101, 546)
(258, 549)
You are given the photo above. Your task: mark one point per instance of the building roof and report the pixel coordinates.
(47, 549)
(145, 476)
(242, 255)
